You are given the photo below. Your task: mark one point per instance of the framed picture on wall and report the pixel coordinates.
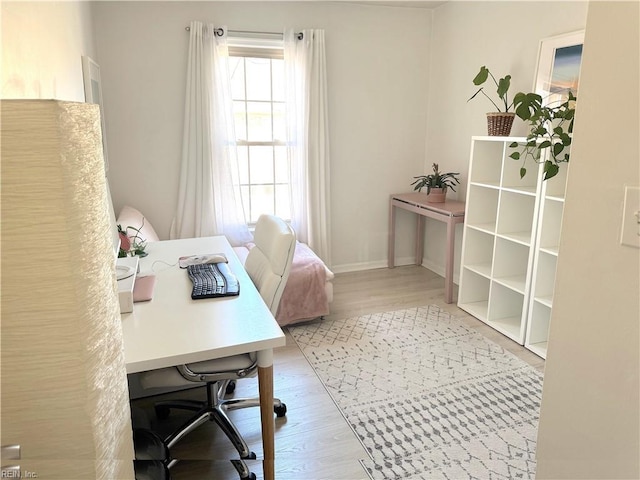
(559, 60)
(93, 94)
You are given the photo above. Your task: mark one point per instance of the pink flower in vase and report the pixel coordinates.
(125, 243)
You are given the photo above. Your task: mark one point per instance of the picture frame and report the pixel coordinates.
(558, 70)
(93, 94)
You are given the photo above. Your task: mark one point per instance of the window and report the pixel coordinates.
(257, 82)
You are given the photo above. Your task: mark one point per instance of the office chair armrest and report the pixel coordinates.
(214, 375)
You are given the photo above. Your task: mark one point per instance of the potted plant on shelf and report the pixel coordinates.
(436, 184)
(498, 123)
(551, 126)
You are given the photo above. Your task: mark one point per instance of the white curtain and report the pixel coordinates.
(209, 201)
(308, 138)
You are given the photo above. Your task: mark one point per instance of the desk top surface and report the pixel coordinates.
(173, 329)
(418, 199)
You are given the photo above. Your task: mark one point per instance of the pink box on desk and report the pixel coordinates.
(143, 289)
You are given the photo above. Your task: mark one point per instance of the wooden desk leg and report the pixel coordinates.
(448, 271)
(420, 239)
(391, 261)
(265, 387)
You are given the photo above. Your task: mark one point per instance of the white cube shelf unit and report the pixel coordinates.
(510, 243)
(544, 262)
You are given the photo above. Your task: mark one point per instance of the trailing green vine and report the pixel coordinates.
(550, 129)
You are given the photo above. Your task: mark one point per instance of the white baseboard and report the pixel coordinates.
(358, 267)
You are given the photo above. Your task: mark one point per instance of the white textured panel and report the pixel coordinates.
(64, 390)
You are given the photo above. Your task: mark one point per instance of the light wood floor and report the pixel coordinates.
(313, 441)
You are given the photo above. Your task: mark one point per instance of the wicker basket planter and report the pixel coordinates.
(499, 124)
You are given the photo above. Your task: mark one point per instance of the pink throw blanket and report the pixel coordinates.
(304, 296)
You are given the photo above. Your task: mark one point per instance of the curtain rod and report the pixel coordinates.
(220, 32)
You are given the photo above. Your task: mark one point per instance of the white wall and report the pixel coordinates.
(42, 46)
(377, 62)
(590, 422)
(505, 37)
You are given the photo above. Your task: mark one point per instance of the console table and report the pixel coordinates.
(449, 212)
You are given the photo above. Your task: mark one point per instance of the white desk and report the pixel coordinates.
(172, 329)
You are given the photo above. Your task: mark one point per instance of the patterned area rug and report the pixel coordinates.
(428, 396)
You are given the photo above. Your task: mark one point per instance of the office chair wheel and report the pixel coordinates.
(251, 456)
(243, 470)
(152, 457)
(150, 470)
(251, 476)
(231, 387)
(280, 411)
(162, 412)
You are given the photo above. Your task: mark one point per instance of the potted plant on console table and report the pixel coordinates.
(436, 184)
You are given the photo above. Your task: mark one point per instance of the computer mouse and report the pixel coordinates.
(215, 258)
(184, 262)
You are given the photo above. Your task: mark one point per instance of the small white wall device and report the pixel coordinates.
(630, 234)
(126, 268)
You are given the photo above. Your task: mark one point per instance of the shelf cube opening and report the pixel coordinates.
(557, 186)
(476, 288)
(545, 275)
(511, 173)
(516, 214)
(511, 262)
(487, 162)
(478, 248)
(540, 320)
(482, 206)
(505, 311)
(551, 224)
